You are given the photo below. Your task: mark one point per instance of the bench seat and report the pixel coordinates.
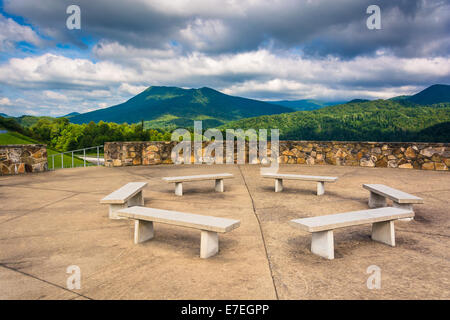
(218, 177)
(124, 197)
(382, 220)
(400, 199)
(209, 226)
(279, 177)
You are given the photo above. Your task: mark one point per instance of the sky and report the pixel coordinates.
(261, 49)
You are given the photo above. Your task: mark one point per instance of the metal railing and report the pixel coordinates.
(74, 160)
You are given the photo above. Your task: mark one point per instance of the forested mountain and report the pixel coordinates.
(172, 105)
(379, 120)
(396, 119)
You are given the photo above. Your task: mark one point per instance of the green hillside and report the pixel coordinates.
(379, 120)
(177, 106)
(358, 100)
(28, 121)
(23, 121)
(15, 138)
(400, 98)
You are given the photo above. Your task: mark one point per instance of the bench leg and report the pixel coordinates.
(322, 244)
(178, 188)
(219, 185)
(137, 200)
(143, 231)
(209, 244)
(278, 185)
(113, 208)
(384, 232)
(407, 206)
(320, 188)
(376, 201)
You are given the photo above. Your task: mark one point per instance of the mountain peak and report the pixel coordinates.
(182, 107)
(436, 93)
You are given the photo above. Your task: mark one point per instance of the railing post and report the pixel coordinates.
(84, 157)
(62, 160)
(98, 155)
(72, 159)
(53, 162)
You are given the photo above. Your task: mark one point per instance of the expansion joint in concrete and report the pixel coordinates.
(261, 232)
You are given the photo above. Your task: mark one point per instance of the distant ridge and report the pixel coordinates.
(358, 100)
(69, 115)
(436, 93)
(173, 105)
(305, 104)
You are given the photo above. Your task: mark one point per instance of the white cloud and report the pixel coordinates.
(211, 34)
(5, 102)
(52, 95)
(11, 33)
(130, 89)
(218, 8)
(40, 70)
(54, 83)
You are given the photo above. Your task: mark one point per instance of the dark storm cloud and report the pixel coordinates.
(128, 22)
(320, 28)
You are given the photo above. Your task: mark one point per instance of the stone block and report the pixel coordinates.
(428, 166)
(410, 153)
(382, 163)
(440, 166)
(367, 162)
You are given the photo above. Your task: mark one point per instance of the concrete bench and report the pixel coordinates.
(209, 226)
(400, 199)
(382, 220)
(179, 181)
(280, 177)
(127, 196)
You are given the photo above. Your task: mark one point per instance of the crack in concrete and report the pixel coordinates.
(426, 233)
(37, 209)
(45, 281)
(60, 190)
(65, 232)
(261, 232)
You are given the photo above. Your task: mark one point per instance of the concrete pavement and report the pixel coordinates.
(53, 220)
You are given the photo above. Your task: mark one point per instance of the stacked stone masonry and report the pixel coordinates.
(26, 158)
(426, 156)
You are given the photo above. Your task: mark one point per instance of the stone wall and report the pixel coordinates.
(427, 156)
(118, 154)
(23, 158)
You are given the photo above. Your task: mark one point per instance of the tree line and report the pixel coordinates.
(60, 134)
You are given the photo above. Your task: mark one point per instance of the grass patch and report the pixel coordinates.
(15, 138)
